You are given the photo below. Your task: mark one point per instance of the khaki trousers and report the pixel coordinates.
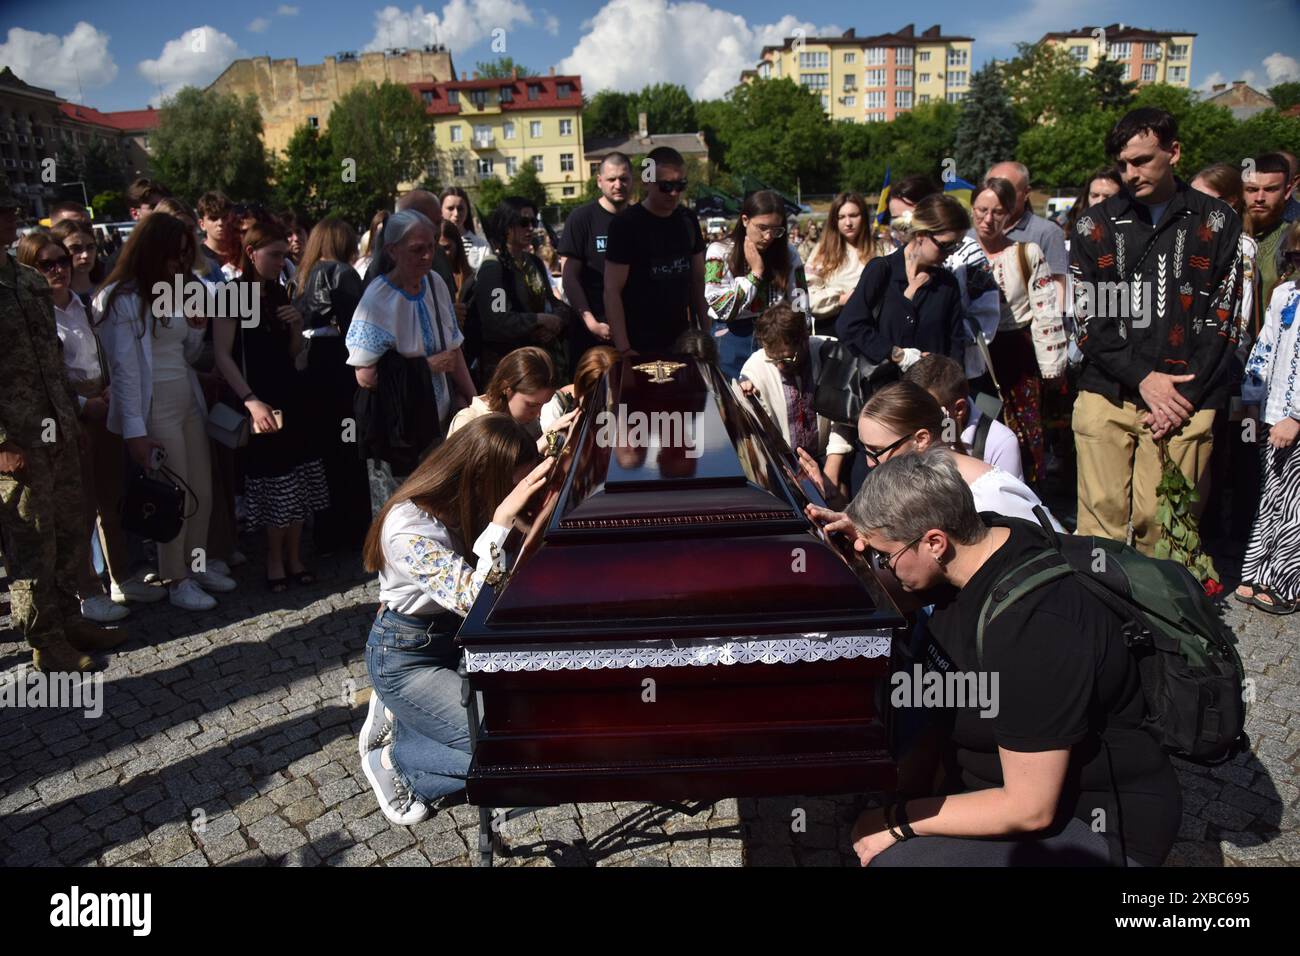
(1119, 468)
(177, 421)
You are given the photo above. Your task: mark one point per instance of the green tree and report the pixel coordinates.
(1264, 132)
(527, 184)
(606, 114)
(1110, 90)
(208, 140)
(379, 137)
(501, 69)
(986, 130)
(1044, 84)
(668, 108)
(491, 190)
(1064, 155)
(110, 206)
(1202, 127)
(303, 176)
(1285, 95)
(776, 131)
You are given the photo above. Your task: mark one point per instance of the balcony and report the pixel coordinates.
(484, 142)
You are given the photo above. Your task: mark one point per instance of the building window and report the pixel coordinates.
(566, 127)
(874, 117)
(570, 190)
(902, 77)
(566, 162)
(923, 78)
(534, 91)
(1079, 52)
(956, 77)
(313, 122)
(958, 57)
(874, 56)
(508, 129)
(850, 101)
(826, 101)
(478, 98)
(874, 78)
(1177, 74)
(457, 133)
(1148, 72)
(512, 165)
(850, 57)
(874, 101)
(1150, 51)
(923, 98)
(903, 56)
(814, 61)
(482, 136)
(563, 91)
(458, 168)
(902, 99)
(535, 128)
(485, 167)
(433, 134)
(433, 168)
(1120, 51)
(507, 95)
(924, 56)
(427, 96)
(537, 163)
(1178, 51)
(453, 97)
(850, 82)
(815, 81)
(956, 97)
(765, 71)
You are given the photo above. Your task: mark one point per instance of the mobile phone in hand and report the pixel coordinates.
(156, 458)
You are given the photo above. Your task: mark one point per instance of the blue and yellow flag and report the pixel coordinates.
(961, 191)
(882, 207)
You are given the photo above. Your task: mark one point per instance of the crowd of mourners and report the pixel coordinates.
(397, 393)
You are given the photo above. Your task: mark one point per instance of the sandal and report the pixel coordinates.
(1274, 605)
(1245, 598)
(277, 585)
(303, 578)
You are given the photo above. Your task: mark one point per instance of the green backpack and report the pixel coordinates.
(1192, 676)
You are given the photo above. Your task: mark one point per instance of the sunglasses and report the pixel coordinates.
(528, 222)
(875, 454)
(945, 248)
(49, 265)
(672, 185)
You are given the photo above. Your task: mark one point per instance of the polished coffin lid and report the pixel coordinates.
(672, 533)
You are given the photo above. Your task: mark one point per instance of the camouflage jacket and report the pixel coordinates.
(34, 388)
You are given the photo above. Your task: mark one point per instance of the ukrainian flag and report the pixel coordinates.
(882, 207)
(961, 191)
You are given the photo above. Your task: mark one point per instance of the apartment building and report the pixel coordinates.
(492, 127)
(1148, 56)
(873, 78)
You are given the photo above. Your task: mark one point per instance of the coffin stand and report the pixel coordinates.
(674, 628)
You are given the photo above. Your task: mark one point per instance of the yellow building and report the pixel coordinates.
(1148, 56)
(491, 127)
(874, 78)
(289, 95)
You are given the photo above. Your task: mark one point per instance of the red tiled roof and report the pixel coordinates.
(120, 120)
(547, 97)
(1116, 32)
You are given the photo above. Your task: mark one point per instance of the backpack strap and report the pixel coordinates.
(981, 436)
(1023, 579)
(1023, 258)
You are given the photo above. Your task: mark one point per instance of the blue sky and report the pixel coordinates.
(124, 54)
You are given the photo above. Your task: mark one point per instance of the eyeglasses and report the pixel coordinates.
(49, 265)
(782, 360)
(775, 232)
(875, 454)
(672, 185)
(887, 560)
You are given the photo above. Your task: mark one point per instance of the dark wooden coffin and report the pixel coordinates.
(674, 627)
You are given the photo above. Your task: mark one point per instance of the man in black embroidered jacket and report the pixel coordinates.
(1157, 276)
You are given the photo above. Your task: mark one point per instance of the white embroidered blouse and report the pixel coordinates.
(1273, 370)
(424, 572)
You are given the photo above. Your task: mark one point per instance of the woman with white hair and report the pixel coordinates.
(409, 312)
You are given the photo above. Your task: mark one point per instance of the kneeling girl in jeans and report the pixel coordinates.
(433, 544)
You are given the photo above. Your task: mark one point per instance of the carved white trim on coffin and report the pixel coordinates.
(705, 652)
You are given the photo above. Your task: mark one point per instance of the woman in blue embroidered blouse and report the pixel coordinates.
(435, 543)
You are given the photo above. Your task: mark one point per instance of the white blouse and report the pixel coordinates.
(1273, 370)
(995, 490)
(80, 352)
(424, 572)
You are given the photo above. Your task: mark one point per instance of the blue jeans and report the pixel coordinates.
(413, 669)
(734, 347)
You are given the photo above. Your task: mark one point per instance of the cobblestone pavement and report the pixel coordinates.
(229, 737)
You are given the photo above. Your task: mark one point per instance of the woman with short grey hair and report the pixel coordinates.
(1045, 724)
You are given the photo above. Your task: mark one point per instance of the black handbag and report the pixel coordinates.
(154, 508)
(846, 380)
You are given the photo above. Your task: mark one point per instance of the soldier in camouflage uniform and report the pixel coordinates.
(41, 517)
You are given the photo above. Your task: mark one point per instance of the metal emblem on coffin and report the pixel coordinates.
(660, 372)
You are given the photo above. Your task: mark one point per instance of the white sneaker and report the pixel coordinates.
(377, 729)
(101, 610)
(211, 580)
(219, 566)
(397, 802)
(188, 595)
(134, 589)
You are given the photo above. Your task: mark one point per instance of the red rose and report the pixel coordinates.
(1212, 587)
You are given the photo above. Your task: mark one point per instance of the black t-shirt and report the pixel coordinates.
(658, 251)
(585, 233)
(1065, 679)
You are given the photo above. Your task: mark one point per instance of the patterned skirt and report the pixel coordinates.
(280, 500)
(1016, 366)
(1273, 554)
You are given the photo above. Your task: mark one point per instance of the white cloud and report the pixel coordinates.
(195, 58)
(552, 25)
(44, 59)
(285, 10)
(1028, 21)
(632, 43)
(461, 24)
(259, 25)
(1281, 68)
(1211, 81)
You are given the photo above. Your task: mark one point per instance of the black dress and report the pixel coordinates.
(329, 297)
(283, 481)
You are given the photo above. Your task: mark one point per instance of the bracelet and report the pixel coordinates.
(890, 825)
(900, 815)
